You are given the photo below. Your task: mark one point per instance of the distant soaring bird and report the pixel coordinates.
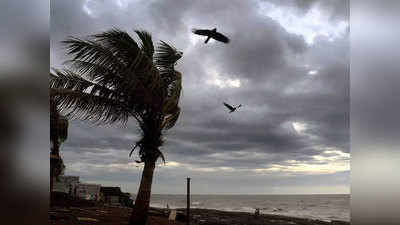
(212, 34)
(231, 108)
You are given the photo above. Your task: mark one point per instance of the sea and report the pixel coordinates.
(321, 207)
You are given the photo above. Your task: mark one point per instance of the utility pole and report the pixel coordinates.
(188, 202)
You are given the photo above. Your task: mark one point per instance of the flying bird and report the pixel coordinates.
(212, 34)
(231, 108)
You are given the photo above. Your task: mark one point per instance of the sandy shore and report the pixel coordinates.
(66, 210)
(217, 217)
(107, 215)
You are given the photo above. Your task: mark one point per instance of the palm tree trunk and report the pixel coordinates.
(142, 202)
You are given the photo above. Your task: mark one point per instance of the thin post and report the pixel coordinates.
(188, 202)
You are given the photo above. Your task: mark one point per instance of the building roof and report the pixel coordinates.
(126, 194)
(89, 185)
(69, 179)
(116, 191)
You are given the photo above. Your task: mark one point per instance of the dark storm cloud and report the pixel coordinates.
(81, 135)
(270, 137)
(169, 21)
(275, 90)
(258, 51)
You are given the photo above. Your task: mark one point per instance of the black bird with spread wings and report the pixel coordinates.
(231, 108)
(212, 34)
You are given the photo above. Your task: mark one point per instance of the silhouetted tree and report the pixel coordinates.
(58, 134)
(113, 77)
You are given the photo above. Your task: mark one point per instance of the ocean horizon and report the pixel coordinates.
(326, 207)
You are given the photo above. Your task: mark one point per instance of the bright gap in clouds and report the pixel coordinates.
(94, 8)
(306, 168)
(225, 83)
(310, 25)
(299, 127)
(222, 81)
(122, 3)
(330, 161)
(86, 8)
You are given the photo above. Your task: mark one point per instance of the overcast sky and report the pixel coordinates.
(287, 64)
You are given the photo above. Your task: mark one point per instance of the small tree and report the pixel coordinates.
(58, 134)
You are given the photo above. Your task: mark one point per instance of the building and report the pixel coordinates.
(110, 195)
(87, 191)
(70, 185)
(66, 184)
(114, 196)
(126, 200)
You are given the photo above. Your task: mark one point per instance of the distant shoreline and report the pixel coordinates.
(235, 213)
(104, 215)
(220, 217)
(251, 194)
(320, 207)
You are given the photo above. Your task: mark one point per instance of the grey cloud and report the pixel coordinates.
(337, 9)
(275, 91)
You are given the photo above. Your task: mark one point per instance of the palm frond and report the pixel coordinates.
(114, 59)
(162, 156)
(146, 44)
(166, 55)
(114, 50)
(165, 58)
(171, 120)
(136, 58)
(106, 77)
(171, 110)
(133, 149)
(67, 79)
(120, 43)
(93, 52)
(96, 72)
(85, 106)
(174, 92)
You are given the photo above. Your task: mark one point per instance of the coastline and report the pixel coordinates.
(203, 216)
(105, 215)
(324, 207)
(251, 211)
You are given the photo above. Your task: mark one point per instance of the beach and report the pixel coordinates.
(111, 215)
(66, 210)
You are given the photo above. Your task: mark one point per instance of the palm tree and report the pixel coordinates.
(112, 78)
(58, 134)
